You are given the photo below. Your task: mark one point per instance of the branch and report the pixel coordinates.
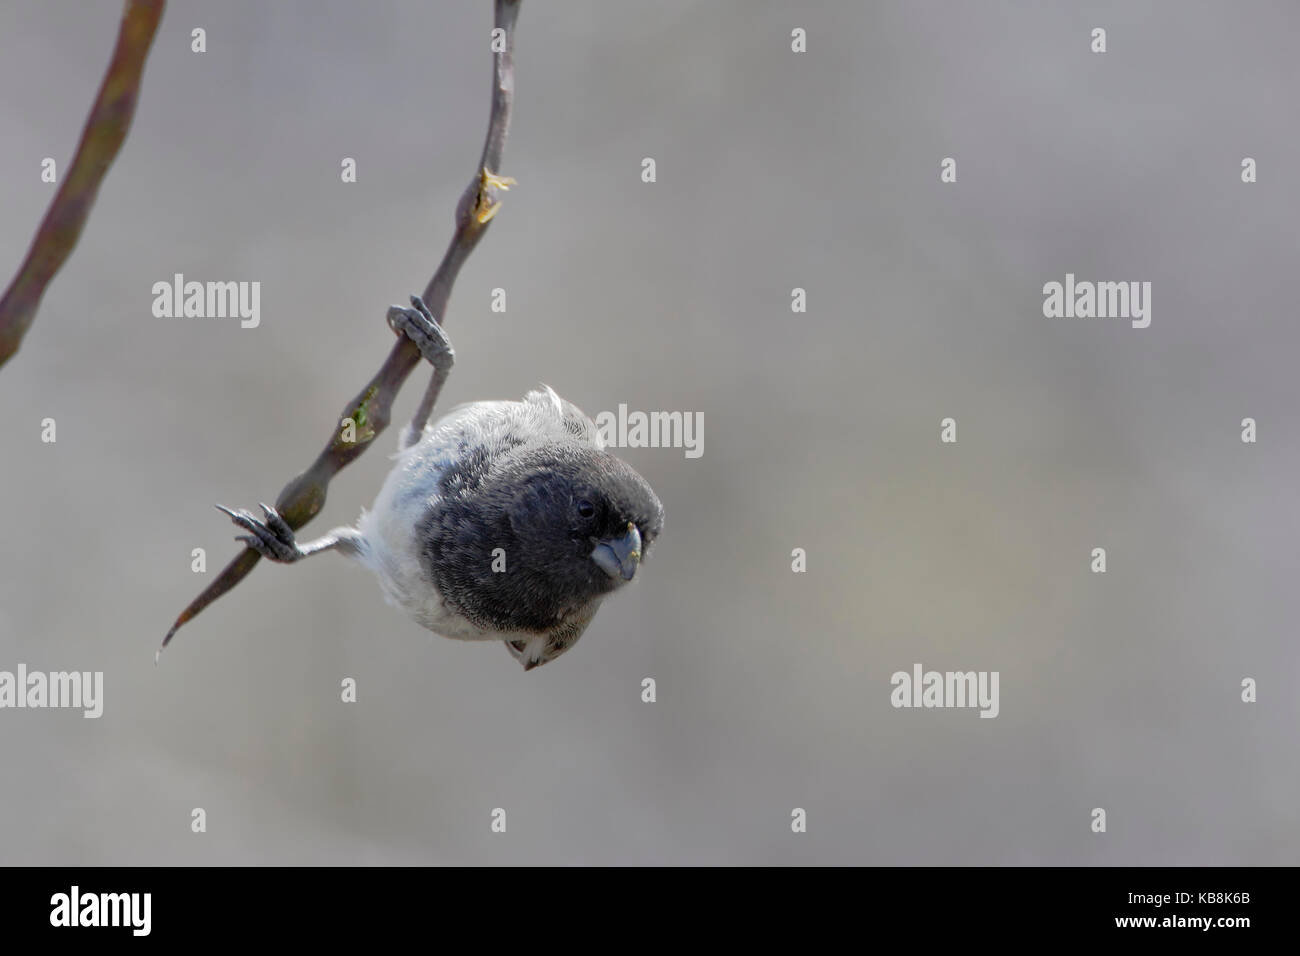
(304, 496)
(101, 138)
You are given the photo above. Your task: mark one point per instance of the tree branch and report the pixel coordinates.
(101, 138)
(370, 411)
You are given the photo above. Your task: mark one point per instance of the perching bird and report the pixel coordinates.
(504, 521)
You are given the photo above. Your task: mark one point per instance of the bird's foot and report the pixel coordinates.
(272, 538)
(418, 324)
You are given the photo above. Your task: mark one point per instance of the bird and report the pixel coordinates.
(501, 520)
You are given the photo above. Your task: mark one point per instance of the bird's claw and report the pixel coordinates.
(272, 538)
(418, 324)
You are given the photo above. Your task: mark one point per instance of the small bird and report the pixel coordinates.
(503, 521)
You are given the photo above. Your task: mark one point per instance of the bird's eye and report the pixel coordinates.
(585, 508)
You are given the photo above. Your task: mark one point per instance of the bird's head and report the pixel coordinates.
(583, 519)
(536, 546)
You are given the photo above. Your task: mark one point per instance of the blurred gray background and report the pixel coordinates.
(775, 170)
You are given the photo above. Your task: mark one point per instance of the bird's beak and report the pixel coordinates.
(619, 557)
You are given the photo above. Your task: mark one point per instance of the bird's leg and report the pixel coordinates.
(272, 538)
(418, 324)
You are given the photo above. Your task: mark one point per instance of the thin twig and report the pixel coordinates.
(370, 411)
(471, 211)
(101, 138)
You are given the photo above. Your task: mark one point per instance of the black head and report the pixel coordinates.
(572, 523)
(583, 518)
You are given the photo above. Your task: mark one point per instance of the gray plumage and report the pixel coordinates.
(505, 521)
